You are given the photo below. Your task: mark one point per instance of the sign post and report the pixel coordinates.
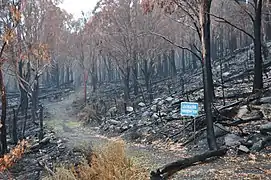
(190, 109)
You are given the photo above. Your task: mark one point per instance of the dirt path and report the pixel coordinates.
(64, 123)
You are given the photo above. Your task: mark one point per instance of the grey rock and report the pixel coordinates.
(257, 146)
(155, 116)
(243, 148)
(242, 111)
(146, 114)
(141, 104)
(118, 129)
(169, 99)
(175, 111)
(114, 122)
(154, 108)
(176, 101)
(226, 74)
(144, 131)
(35, 146)
(129, 109)
(160, 103)
(265, 128)
(265, 100)
(155, 101)
(124, 128)
(111, 127)
(113, 109)
(175, 116)
(61, 146)
(163, 114)
(140, 123)
(232, 140)
(45, 140)
(220, 130)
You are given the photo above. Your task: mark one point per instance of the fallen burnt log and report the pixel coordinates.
(243, 120)
(171, 168)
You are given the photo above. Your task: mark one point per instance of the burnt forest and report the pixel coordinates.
(135, 89)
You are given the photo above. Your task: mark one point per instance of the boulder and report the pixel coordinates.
(265, 128)
(257, 146)
(266, 110)
(243, 148)
(242, 111)
(220, 130)
(232, 140)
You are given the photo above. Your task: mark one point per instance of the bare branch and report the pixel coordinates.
(245, 10)
(223, 20)
(181, 47)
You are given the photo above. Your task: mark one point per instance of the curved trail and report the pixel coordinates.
(63, 122)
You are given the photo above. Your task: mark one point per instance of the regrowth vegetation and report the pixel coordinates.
(109, 162)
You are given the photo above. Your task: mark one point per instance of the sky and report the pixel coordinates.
(76, 6)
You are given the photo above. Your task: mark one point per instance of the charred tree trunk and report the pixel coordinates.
(194, 58)
(35, 94)
(160, 67)
(94, 77)
(110, 74)
(165, 65)
(233, 40)
(62, 75)
(183, 62)
(204, 10)
(211, 91)
(135, 75)
(24, 124)
(4, 114)
(23, 93)
(14, 127)
(41, 123)
(172, 63)
(268, 26)
(213, 46)
(258, 77)
(126, 78)
(56, 75)
(72, 79)
(48, 82)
